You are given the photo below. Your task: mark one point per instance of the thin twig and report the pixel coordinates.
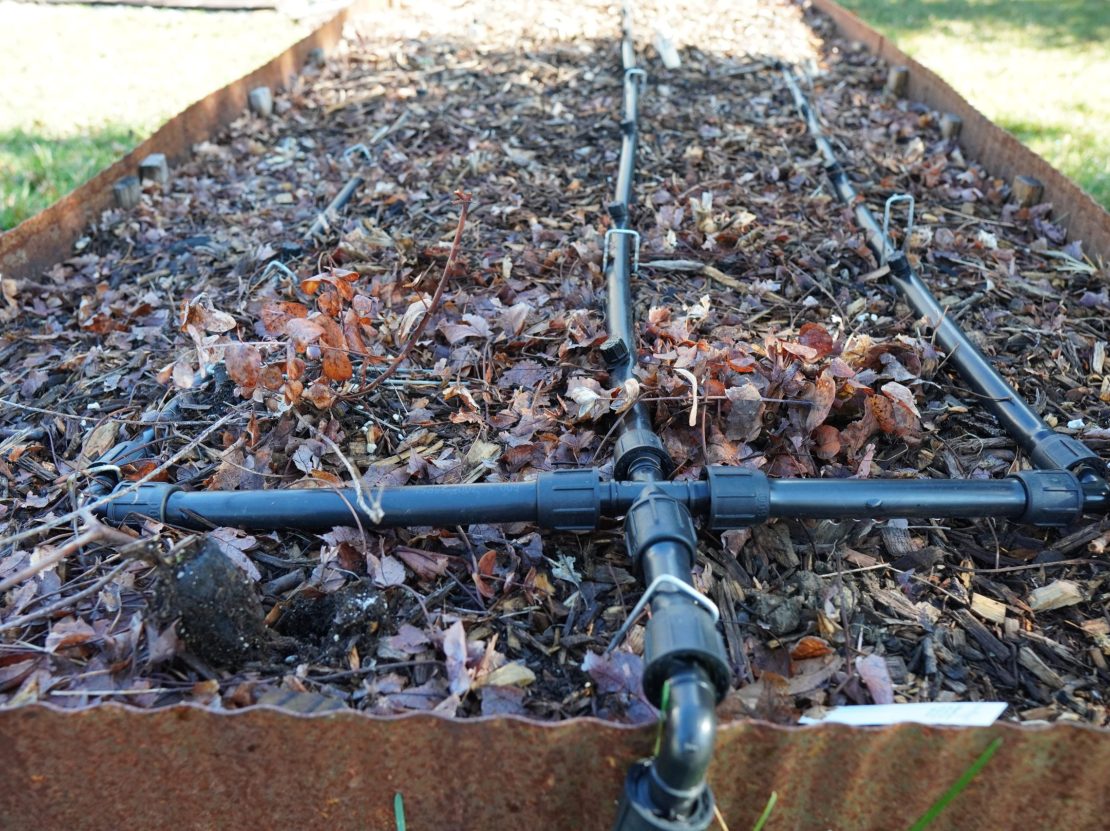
(464, 198)
(65, 602)
(64, 519)
(96, 532)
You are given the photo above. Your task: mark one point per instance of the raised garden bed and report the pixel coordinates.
(754, 284)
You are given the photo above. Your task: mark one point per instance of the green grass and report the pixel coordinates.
(1039, 68)
(82, 85)
(957, 787)
(36, 170)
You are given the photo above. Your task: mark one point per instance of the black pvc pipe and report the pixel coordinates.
(330, 214)
(1047, 449)
(885, 498)
(441, 506)
(576, 500)
(689, 734)
(663, 546)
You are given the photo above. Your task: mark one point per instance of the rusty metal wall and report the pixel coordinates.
(48, 237)
(983, 140)
(111, 767)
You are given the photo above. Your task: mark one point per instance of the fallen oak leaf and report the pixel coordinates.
(199, 312)
(424, 564)
(244, 365)
(277, 314)
(303, 332)
(821, 398)
(901, 395)
(486, 565)
(817, 338)
(810, 647)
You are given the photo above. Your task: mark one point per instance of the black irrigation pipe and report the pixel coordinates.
(1047, 449)
(577, 500)
(686, 671)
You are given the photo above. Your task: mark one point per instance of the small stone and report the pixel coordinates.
(782, 615)
(261, 101)
(897, 81)
(154, 168)
(950, 126)
(127, 191)
(284, 199)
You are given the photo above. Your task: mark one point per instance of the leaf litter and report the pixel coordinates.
(756, 294)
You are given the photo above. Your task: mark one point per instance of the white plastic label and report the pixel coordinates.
(945, 713)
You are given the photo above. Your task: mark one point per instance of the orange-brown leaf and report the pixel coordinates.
(817, 338)
(320, 395)
(821, 400)
(485, 571)
(810, 647)
(304, 331)
(336, 364)
(275, 315)
(135, 471)
(883, 410)
(272, 377)
(293, 390)
(826, 440)
(329, 303)
(244, 365)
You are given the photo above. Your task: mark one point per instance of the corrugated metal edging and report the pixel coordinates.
(985, 142)
(184, 767)
(48, 237)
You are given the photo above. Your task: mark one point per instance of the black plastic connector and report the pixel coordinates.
(149, 500)
(615, 351)
(1055, 451)
(124, 453)
(738, 497)
(618, 212)
(1053, 497)
(638, 811)
(636, 446)
(656, 518)
(569, 500)
(681, 633)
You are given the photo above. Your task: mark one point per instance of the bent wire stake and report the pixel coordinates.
(684, 653)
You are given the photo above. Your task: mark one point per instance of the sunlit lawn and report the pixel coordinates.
(1039, 68)
(82, 85)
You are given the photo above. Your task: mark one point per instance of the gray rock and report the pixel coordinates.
(261, 101)
(782, 615)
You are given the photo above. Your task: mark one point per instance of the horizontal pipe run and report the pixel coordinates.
(909, 498)
(320, 510)
(575, 500)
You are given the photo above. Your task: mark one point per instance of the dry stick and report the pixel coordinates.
(464, 198)
(114, 495)
(65, 602)
(95, 533)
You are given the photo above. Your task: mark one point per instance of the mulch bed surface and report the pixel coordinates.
(755, 285)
